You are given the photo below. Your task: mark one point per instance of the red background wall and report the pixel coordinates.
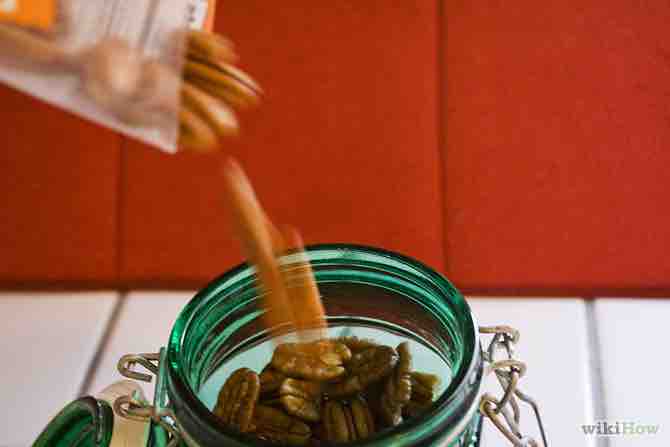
(517, 149)
(557, 158)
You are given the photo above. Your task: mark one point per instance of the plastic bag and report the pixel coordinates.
(115, 62)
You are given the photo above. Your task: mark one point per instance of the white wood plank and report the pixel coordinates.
(48, 343)
(554, 346)
(143, 325)
(635, 364)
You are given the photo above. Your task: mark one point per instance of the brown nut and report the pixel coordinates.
(424, 386)
(224, 94)
(413, 409)
(335, 422)
(159, 85)
(319, 434)
(362, 416)
(347, 423)
(364, 368)
(271, 402)
(230, 71)
(273, 425)
(391, 415)
(220, 84)
(320, 360)
(398, 389)
(210, 46)
(155, 101)
(356, 344)
(237, 399)
(194, 132)
(111, 72)
(301, 399)
(217, 114)
(271, 380)
(401, 379)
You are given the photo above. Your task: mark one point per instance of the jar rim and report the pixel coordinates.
(457, 388)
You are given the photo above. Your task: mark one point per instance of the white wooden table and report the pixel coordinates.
(604, 359)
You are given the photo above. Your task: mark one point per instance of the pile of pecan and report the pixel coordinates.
(212, 86)
(331, 390)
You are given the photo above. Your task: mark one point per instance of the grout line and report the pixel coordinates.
(102, 346)
(442, 124)
(596, 370)
(120, 207)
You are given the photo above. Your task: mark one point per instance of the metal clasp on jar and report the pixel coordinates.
(130, 407)
(509, 372)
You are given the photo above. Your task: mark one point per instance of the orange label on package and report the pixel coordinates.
(29, 13)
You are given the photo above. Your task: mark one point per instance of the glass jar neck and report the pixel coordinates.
(225, 309)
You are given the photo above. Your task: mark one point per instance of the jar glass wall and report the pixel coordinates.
(366, 292)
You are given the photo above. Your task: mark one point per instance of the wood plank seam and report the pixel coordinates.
(595, 370)
(441, 123)
(111, 323)
(122, 178)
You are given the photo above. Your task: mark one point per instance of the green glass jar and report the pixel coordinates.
(366, 292)
(86, 422)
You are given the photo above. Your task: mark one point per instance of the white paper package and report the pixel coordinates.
(115, 62)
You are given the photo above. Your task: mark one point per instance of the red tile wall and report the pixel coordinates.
(557, 146)
(345, 145)
(58, 196)
(519, 147)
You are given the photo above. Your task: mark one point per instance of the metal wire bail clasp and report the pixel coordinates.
(131, 407)
(508, 371)
(149, 361)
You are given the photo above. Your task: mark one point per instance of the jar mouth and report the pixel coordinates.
(452, 405)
